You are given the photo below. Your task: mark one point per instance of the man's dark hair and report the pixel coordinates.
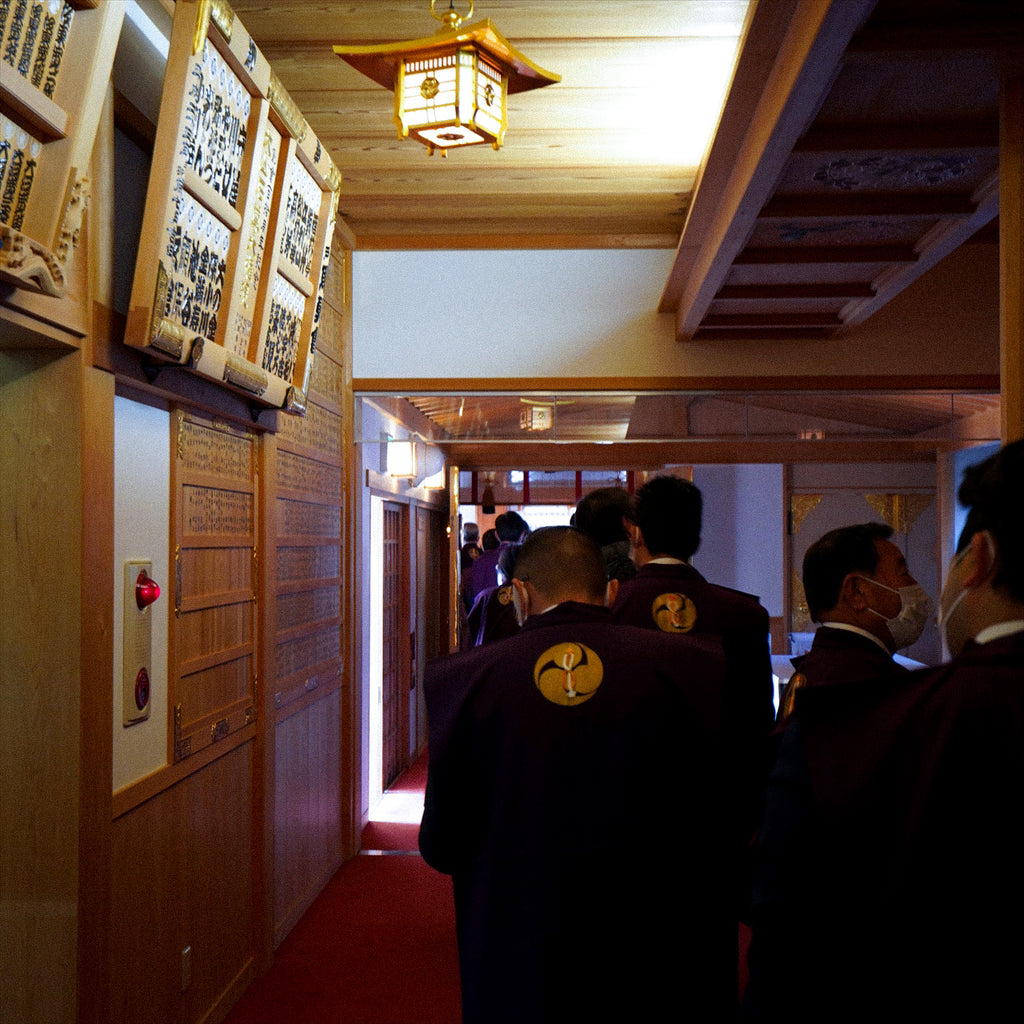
(993, 491)
(833, 556)
(668, 511)
(489, 541)
(507, 560)
(511, 526)
(599, 515)
(559, 560)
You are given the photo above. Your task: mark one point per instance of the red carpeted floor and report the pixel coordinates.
(376, 947)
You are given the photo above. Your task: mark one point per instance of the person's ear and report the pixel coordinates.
(980, 560)
(611, 591)
(520, 600)
(851, 593)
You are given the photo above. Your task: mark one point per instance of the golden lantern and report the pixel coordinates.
(450, 88)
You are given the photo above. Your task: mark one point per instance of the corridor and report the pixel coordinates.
(378, 944)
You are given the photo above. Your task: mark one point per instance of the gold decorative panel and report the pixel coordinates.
(900, 511)
(801, 505)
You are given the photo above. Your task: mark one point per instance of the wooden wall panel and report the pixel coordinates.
(305, 653)
(40, 618)
(307, 808)
(181, 878)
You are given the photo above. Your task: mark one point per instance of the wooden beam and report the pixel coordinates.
(647, 385)
(772, 320)
(381, 238)
(765, 331)
(829, 290)
(781, 255)
(938, 38)
(1011, 258)
(648, 455)
(875, 205)
(903, 137)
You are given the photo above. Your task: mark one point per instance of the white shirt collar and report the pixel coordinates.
(850, 628)
(666, 560)
(999, 630)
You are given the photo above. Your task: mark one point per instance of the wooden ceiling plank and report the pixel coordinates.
(524, 22)
(806, 63)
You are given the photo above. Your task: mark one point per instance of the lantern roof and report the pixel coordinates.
(380, 61)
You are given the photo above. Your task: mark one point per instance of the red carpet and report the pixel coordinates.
(376, 947)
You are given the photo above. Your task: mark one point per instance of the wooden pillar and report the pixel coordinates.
(1011, 257)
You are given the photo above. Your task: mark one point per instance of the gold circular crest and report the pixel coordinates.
(674, 613)
(504, 595)
(568, 674)
(429, 87)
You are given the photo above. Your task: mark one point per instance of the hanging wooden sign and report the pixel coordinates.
(239, 215)
(55, 61)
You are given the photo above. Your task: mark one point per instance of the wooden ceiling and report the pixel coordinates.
(606, 158)
(857, 146)
(860, 145)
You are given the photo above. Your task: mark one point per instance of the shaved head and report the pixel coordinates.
(563, 564)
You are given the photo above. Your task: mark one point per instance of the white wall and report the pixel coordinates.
(142, 502)
(593, 314)
(743, 529)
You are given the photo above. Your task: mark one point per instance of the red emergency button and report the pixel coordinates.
(146, 591)
(142, 689)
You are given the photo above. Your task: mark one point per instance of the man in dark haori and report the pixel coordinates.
(669, 595)
(555, 756)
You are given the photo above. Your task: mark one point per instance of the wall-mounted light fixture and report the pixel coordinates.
(414, 460)
(401, 459)
(450, 88)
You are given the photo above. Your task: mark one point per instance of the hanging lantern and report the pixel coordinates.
(450, 88)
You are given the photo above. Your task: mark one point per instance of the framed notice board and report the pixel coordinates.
(55, 60)
(239, 215)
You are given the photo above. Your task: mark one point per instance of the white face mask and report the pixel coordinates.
(915, 609)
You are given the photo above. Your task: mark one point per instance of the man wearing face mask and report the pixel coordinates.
(890, 862)
(869, 606)
(548, 750)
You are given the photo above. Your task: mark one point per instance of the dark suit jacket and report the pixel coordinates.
(583, 833)
(890, 877)
(839, 656)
